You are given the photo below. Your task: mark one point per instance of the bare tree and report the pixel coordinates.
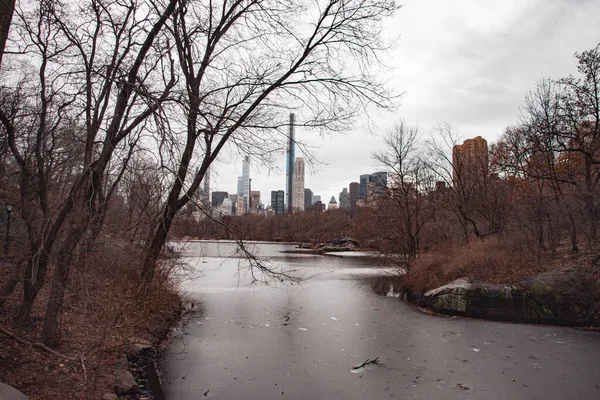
(410, 204)
(96, 60)
(245, 63)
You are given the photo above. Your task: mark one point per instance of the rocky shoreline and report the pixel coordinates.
(566, 297)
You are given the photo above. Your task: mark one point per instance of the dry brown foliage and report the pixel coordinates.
(494, 259)
(103, 309)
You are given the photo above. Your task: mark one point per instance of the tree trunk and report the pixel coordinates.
(158, 241)
(31, 286)
(7, 8)
(11, 282)
(51, 330)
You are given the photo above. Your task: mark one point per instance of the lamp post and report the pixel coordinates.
(9, 208)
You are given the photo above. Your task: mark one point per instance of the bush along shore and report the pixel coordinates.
(567, 293)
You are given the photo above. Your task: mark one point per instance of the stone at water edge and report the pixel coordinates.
(124, 382)
(136, 346)
(10, 393)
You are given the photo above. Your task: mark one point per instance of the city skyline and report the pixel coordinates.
(347, 198)
(491, 55)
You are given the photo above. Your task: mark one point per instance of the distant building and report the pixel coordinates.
(218, 197)
(354, 194)
(470, 159)
(246, 182)
(240, 209)
(223, 209)
(377, 184)
(290, 160)
(332, 204)
(344, 198)
(234, 199)
(206, 191)
(308, 194)
(240, 186)
(278, 201)
(316, 198)
(298, 199)
(370, 185)
(254, 200)
(364, 186)
(318, 206)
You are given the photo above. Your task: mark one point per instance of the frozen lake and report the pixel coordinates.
(302, 341)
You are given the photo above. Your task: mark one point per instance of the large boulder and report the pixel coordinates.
(563, 298)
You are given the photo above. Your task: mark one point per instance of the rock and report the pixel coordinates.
(343, 244)
(122, 362)
(124, 382)
(10, 393)
(562, 298)
(136, 346)
(110, 396)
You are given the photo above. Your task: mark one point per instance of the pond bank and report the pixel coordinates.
(565, 297)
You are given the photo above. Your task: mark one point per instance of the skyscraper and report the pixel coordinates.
(225, 208)
(203, 192)
(206, 191)
(240, 189)
(470, 159)
(354, 194)
(218, 197)
(364, 186)
(246, 182)
(255, 200)
(344, 198)
(234, 199)
(277, 201)
(298, 204)
(307, 198)
(291, 158)
(332, 204)
(379, 183)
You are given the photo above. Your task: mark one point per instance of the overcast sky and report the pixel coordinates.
(468, 63)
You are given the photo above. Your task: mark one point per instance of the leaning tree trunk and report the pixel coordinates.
(158, 241)
(12, 281)
(51, 329)
(31, 286)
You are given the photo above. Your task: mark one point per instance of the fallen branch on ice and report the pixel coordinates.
(373, 361)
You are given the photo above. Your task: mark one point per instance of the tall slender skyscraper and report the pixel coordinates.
(206, 191)
(246, 182)
(289, 172)
(299, 184)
